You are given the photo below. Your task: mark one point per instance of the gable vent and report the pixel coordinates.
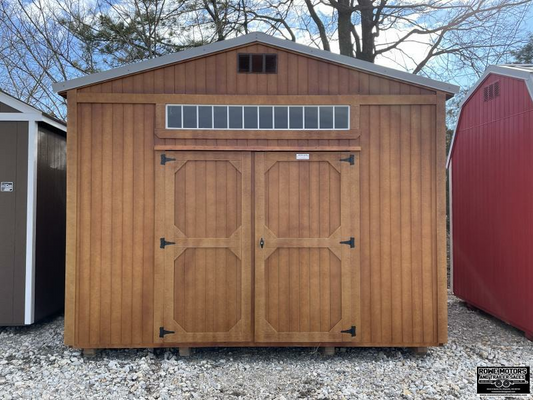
(491, 91)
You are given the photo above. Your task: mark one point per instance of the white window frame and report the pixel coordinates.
(258, 119)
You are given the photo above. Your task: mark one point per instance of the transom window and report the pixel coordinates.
(323, 117)
(257, 63)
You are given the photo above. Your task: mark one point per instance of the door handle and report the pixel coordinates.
(262, 243)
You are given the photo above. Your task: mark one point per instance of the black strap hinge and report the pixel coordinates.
(350, 242)
(350, 159)
(165, 159)
(163, 332)
(351, 331)
(164, 243)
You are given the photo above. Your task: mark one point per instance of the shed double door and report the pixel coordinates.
(289, 280)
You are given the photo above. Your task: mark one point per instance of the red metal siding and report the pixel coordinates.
(492, 189)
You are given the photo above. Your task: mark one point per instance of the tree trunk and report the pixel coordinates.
(345, 28)
(367, 36)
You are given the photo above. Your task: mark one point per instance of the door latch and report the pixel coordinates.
(262, 243)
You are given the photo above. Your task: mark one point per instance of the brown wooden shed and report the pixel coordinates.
(255, 192)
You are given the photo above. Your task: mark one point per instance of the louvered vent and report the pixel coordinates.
(491, 91)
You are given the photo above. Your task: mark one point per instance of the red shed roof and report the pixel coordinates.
(519, 71)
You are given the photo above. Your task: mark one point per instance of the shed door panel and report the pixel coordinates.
(13, 210)
(208, 269)
(305, 278)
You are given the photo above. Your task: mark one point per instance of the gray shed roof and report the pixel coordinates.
(249, 39)
(25, 108)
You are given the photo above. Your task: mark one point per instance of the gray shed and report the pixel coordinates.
(32, 213)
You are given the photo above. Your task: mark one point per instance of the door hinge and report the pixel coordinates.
(351, 331)
(350, 159)
(163, 332)
(165, 159)
(350, 242)
(164, 243)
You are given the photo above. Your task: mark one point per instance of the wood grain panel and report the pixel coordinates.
(304, 275)
(115, 229)
(399, 284)
(297, 73)
(197, 186)
(112, 247)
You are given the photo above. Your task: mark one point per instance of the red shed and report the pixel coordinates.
(491, 190)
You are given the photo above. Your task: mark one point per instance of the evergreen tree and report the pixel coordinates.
(525, 54)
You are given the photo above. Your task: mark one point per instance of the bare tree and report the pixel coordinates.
(472, 32)
(37, 51)
(46, 41)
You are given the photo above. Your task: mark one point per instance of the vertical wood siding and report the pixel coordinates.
(217, 74)
(113, 200)
(398, 225)
(115, 225)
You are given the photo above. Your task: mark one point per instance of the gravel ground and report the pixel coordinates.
(34, 363)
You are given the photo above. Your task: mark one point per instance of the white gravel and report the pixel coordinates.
(34, 363)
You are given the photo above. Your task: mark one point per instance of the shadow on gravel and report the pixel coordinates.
(33, 328)
(498, 323)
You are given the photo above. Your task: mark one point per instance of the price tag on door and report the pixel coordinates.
(302, 156)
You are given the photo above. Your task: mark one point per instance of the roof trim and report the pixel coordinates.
(17, 104)
(248, 39)
(511, 70)
(29, 113)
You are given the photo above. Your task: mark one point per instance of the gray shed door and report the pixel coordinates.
(13, 175)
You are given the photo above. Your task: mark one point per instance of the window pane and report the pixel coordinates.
(326, 117)
(235, 117)
(250, 117)
(311, 117)
(174, 116)
(244, 62)
(205, 117)
(296, 117)
(189, 117)
(257, 63)
(271, 63)
(281, 117)
(221, 117)
(265, 117)
(341, 117)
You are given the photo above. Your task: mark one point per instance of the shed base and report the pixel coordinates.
(90, 352)
(185, 351)
(420, 351)
(327, 351)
